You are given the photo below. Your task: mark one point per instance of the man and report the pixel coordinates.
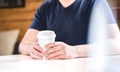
(70, 21)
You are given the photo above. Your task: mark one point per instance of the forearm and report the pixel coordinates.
(28, 41)
(112, 45)
(81, 50)
(24, 47)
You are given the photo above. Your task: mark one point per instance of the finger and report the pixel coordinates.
(36, 52)
(59, 57)
(56, 58)
(54, 49)
(54, 44)
(38, 48)
(32, 55)
(55, 54)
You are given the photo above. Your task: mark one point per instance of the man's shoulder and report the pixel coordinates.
(87, 2)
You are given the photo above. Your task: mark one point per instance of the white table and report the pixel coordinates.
(22, 63)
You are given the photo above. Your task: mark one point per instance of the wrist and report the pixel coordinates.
(72, 52)
(81, 51)
(25, 47)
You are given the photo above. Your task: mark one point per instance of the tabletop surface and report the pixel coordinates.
(22, 63)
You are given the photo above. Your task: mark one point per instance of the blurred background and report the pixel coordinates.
(17, 15)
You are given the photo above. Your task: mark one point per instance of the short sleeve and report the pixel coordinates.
(107, 10)
(39, 21)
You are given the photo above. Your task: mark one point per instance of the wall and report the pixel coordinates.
(118, 4)
(19, 18)
(115, 4)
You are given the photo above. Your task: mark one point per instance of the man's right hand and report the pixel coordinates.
(36, 52)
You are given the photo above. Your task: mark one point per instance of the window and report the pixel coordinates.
(12, 3)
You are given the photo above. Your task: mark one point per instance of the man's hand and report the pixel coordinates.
(36, 52)
(59, 50)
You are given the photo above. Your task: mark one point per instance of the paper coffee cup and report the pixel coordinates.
(45, 37)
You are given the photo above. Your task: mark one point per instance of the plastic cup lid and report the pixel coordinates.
(46, 34)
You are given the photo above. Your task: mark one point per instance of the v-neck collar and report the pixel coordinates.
(73, 4)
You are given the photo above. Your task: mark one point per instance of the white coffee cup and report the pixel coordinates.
(44, 37)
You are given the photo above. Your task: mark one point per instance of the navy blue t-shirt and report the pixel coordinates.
(70, 24)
